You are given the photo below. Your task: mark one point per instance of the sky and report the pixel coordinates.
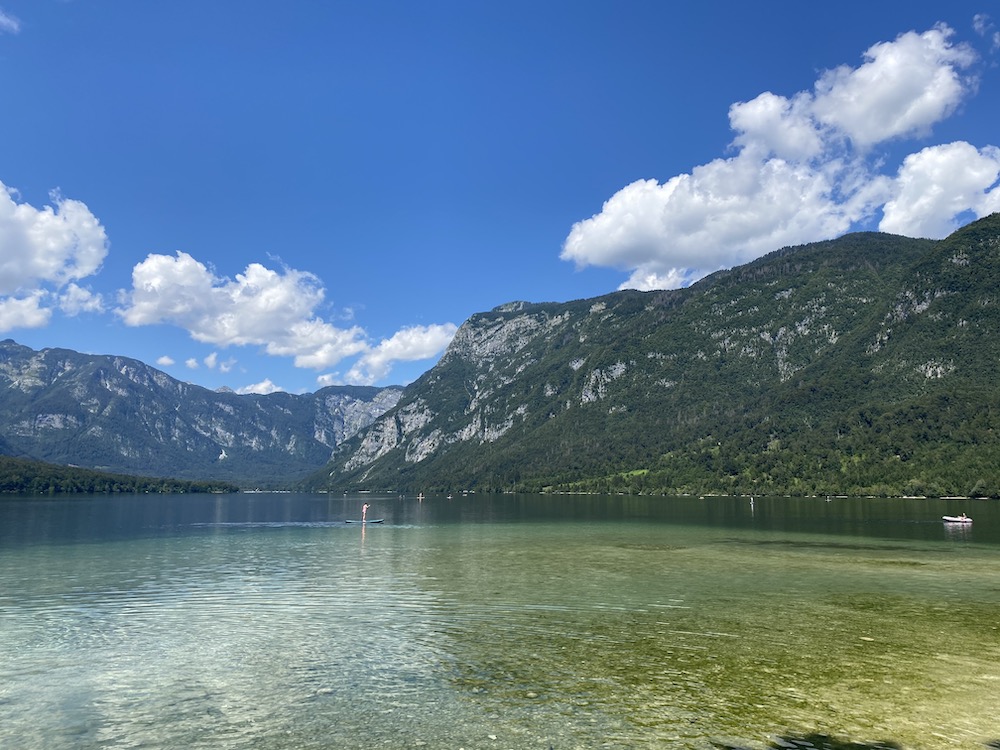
(283, 196)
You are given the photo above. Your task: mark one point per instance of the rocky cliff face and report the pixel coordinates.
(118, 414)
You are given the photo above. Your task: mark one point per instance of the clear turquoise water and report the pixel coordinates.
(265, 621)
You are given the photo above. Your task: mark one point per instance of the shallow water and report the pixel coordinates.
(265, 621)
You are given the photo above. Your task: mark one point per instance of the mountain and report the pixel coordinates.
(117, 414)
(862, 365)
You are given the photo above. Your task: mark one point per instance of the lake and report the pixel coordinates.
(264, 621)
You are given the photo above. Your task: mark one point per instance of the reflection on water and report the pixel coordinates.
(264, 621)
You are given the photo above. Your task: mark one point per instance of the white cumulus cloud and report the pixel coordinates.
(276, 310)
(902, 89)
(75, 300)
(804, 171)
(9, 24)
(407, 345)
(774, 124)
(263, 307)
(42, 251)
(23, 312)
(212, 362)
(939, 183)
(985, 27)
(261, 389)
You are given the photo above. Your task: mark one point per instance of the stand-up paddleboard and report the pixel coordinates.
(364, 516)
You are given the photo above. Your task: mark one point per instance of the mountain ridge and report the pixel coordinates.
(726, 386)
(859, 365)
(114, 413)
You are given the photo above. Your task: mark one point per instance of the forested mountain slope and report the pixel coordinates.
(862, 365)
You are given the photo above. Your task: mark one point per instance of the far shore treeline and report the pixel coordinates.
(24, 476)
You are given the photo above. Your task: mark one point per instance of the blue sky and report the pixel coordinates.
(268, 195)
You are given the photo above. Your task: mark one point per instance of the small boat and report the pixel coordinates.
(366, 520)
(956, 519)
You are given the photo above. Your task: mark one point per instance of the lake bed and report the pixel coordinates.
(265, 621)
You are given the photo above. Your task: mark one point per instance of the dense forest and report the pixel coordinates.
(23, 476)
